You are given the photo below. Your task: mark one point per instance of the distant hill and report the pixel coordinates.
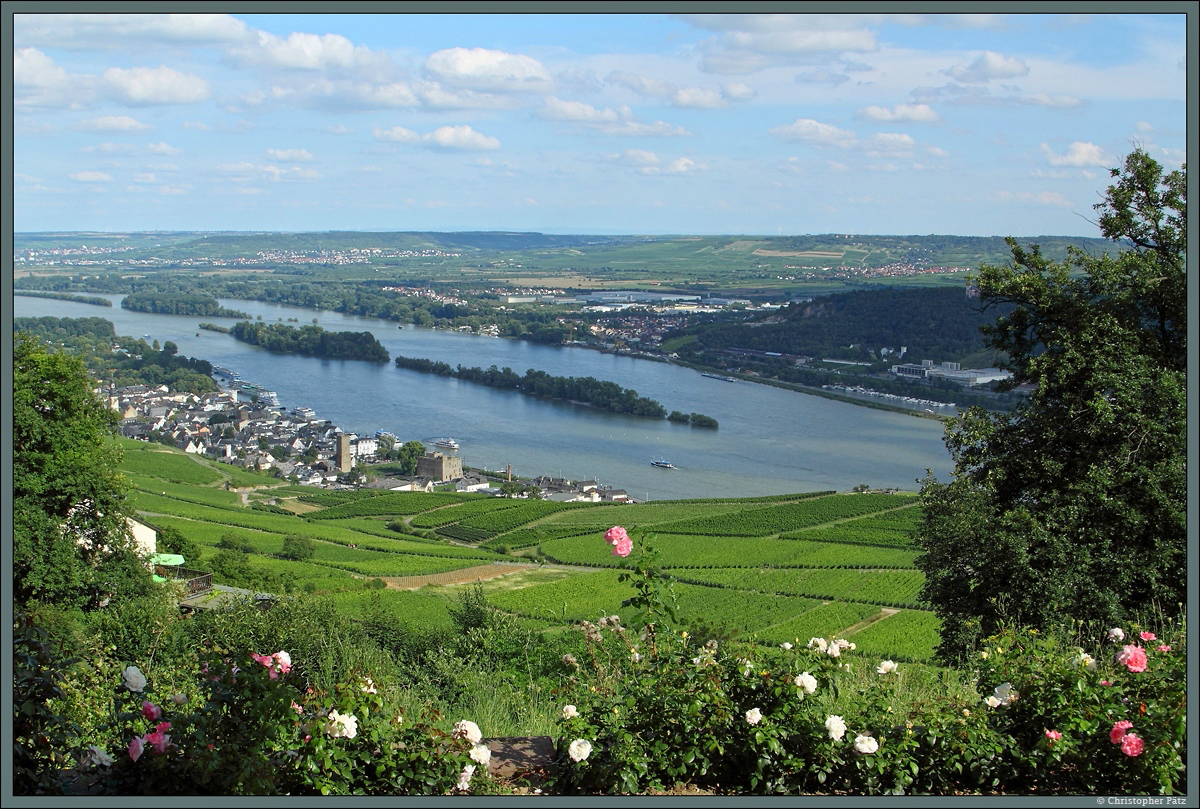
(934, 323)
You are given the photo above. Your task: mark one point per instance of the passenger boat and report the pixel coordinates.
(663, 464)
(446, 443)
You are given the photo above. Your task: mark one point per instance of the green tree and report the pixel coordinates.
(172, 540)
(1074, 505)
(298, 548)
(71, 545)
(410, 452)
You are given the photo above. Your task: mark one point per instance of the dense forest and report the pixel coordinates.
(312, 341)
(604, 395)
(178, 303)
(91, 300)
(120, 360)
(936, 324)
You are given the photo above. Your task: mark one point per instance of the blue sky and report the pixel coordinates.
(739, 124)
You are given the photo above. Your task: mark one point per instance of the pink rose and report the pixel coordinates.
(1132, 658)
(266, 660)
(284, 661)
(615, 535)
(135, 748)
(1132, 744)
(1163, 648)
(622, 546)
(1053, 735)
(151, 711)
(1118, 730)
(1149, 636)
(158, 741)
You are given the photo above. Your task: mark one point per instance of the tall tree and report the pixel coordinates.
(1074, 506)
(70, 540)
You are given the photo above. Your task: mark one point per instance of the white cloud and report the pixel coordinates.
(917, 113)
(889, 143)
(684, 165)
(160, 85)
(145, 178)
(199, 126)
(302, 51)
(987, 66)
(338, 129)
(1051, 198)
(1079, 153)
(488, 70)
(112, 123)
(737, 91)
(1142, 126)
(290, 155)
(162, 148)
(937, 151)
(39, 82)
(752, 42)
(806, 130)
(91, 177)
(554, 109)
(698, 98)
(460, 137)
(397, 134)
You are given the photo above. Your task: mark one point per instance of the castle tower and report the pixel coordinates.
(344, 461)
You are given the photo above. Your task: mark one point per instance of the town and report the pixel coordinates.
(242, 425)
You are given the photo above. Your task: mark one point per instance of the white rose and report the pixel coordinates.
(96, 757)
(787, 647)
(807, 682)
(466, 729)
(134, 679)
(754, 716)
(464, 778)
(1004, 692)
(817, 642)
(481, 754)
(887, 667)
(992, 702)
(865, 745)
(836, 727)
(1116, 634)
(834, 650)
(570, 712)
(342, 726)
(1087, 661)
(579, 750)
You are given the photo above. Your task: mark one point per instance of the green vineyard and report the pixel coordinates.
(772, 569)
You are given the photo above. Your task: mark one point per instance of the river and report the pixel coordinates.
(770, 440)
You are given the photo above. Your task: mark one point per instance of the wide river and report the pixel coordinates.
(770, 441)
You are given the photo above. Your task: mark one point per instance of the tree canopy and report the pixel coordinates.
(1074, 505)
(70, 541)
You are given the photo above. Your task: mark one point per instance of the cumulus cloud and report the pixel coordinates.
(338, 129)
(305, 52)
(108, 148)
(320, 92)
(807, 130)
(460, 137)
(161, 148)
(246, 172)
(642, 85)
(396, 134)
(1079, 154)
(737, 91)
(687, 97)
(890, 143)
(684, 165)
(488, 70)
(290, 155)
(917, 113)
(619, 121)
(160, 85)
(987, 66)
(112, 123)
(750, 42)
(39, 82)
(91, 177)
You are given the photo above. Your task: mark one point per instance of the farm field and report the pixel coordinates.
(775, 569)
